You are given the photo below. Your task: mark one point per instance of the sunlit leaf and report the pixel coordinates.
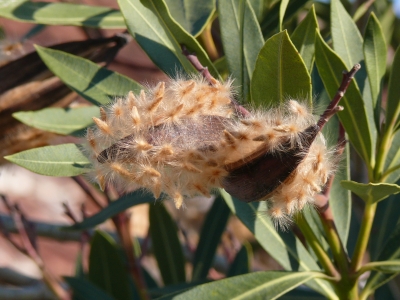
(60, 160)
(62, 14)
(192, 15)
(371, 192)
(280, 73)
(393, 99)
(161, 37)
(375, 60)
(282, 10)
(65, 121)
(242, 40)
(348, 44)
(259, 285)
(94, 83)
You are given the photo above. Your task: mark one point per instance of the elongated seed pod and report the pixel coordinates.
(181, 138)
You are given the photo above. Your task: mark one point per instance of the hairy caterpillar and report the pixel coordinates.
(184, 138)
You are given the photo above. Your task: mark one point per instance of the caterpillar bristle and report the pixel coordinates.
(180, 139)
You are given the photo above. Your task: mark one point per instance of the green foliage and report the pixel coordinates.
(61, 160)
(271, 57)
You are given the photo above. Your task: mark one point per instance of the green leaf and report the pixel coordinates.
(346, 37)
(166, 246)
(280, 73)
(354, 115)
(66, 121)
(304, 38)
(282, 10)
(390, 252)
(62, 14)
(210, 236)
(290, 254)
(348, 44)
(85, 290)
(242, 40)
(371, 192)
(60, 160)
(115, 207)
(258, 285)
(106, 268)
(386, 217)
(192, 15)
(96, 84)
(242, 262)
(160, 36)
(375, 60)
(393, 99)
(392, 162)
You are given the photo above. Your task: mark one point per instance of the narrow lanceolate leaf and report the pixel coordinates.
(282, 11)
(192, 15)
(161, 37)
(280, 73)
(304, 36)
(213, 227)
(60, 160)
(393, 100)
(348, 44)
(390, 252)
(242, 40)
(62, 14)
(64, 121)
(96, 84)
(375, 60)
(259, 285)
(85, 290)
(354, 115)
(290, 255)
(166, 246)
(115, 207)
(392, 163)
(371, 192)
(106, 268)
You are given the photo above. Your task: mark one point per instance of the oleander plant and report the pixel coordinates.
(287, 113)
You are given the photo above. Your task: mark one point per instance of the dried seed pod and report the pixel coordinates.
(180, 138)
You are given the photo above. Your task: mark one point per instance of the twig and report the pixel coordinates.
(29, 249)
(89, 190)
(333, 107)
(192, 58)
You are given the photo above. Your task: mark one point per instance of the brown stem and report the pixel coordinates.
(122, 223)
(192, 58)
(326, 214)
(333, 106)
(95, 197)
